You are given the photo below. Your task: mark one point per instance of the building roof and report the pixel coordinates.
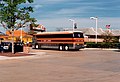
(39, 28)
(16, 33)
(27, 36)
(1, 33)
(100, 31)
(88, 31)
(116, 32)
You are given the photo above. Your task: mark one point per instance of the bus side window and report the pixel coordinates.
(78, 35)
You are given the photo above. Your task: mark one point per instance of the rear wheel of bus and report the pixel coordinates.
(63, 47)
(66, 48)
(36, 46)
(60, 47)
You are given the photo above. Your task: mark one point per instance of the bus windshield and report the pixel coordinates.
(78, 35)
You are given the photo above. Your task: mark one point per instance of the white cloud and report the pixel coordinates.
(37, 6)
(70, 10)
(48, 1)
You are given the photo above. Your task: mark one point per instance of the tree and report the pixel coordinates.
(14, 16)
(108, 37)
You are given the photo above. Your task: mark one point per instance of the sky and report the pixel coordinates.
(55, 14)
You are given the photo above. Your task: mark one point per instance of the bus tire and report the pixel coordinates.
(60, 47)
(76, 49)
(36, 46)
(66, 48)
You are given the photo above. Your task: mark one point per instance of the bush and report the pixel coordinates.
(91, 45)
(101, 45)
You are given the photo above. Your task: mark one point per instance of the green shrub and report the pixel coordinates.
(101, 45)
(91, 45)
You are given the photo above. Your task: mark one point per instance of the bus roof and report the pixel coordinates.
(58, 32)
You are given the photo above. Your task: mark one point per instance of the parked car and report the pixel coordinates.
(6, 46)
(1, 48)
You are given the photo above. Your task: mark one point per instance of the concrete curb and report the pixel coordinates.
(100, 49)
(37, 55)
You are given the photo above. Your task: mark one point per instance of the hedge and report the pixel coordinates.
(101, 45)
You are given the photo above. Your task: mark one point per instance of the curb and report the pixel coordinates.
(100, 49)
(37, 55)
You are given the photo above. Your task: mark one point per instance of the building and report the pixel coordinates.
(37, 28)
(19, 35)
(90, 33)
(3, 36)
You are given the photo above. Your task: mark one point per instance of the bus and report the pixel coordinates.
(62, 40)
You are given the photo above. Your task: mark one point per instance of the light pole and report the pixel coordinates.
(95, 18)
(73, 21)
(21, 35)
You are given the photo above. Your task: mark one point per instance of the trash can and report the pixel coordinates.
(18, 47)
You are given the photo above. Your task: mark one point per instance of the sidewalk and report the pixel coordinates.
(37, 54)
(30, 55)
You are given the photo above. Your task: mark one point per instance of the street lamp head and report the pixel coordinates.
(93, 17)
(71, 20)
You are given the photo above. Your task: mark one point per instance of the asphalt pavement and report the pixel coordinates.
(63, 66)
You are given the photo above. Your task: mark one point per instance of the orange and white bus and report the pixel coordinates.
(63, 40)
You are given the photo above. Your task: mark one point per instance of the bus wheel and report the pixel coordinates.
(36, 46)
(66, 47)
(60, 47)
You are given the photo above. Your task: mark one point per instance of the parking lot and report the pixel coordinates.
(64, 66)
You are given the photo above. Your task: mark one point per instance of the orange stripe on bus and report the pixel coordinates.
(62, 42)
(60, 39)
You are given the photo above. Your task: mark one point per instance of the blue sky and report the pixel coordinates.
(76, 8)
(56, 13)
